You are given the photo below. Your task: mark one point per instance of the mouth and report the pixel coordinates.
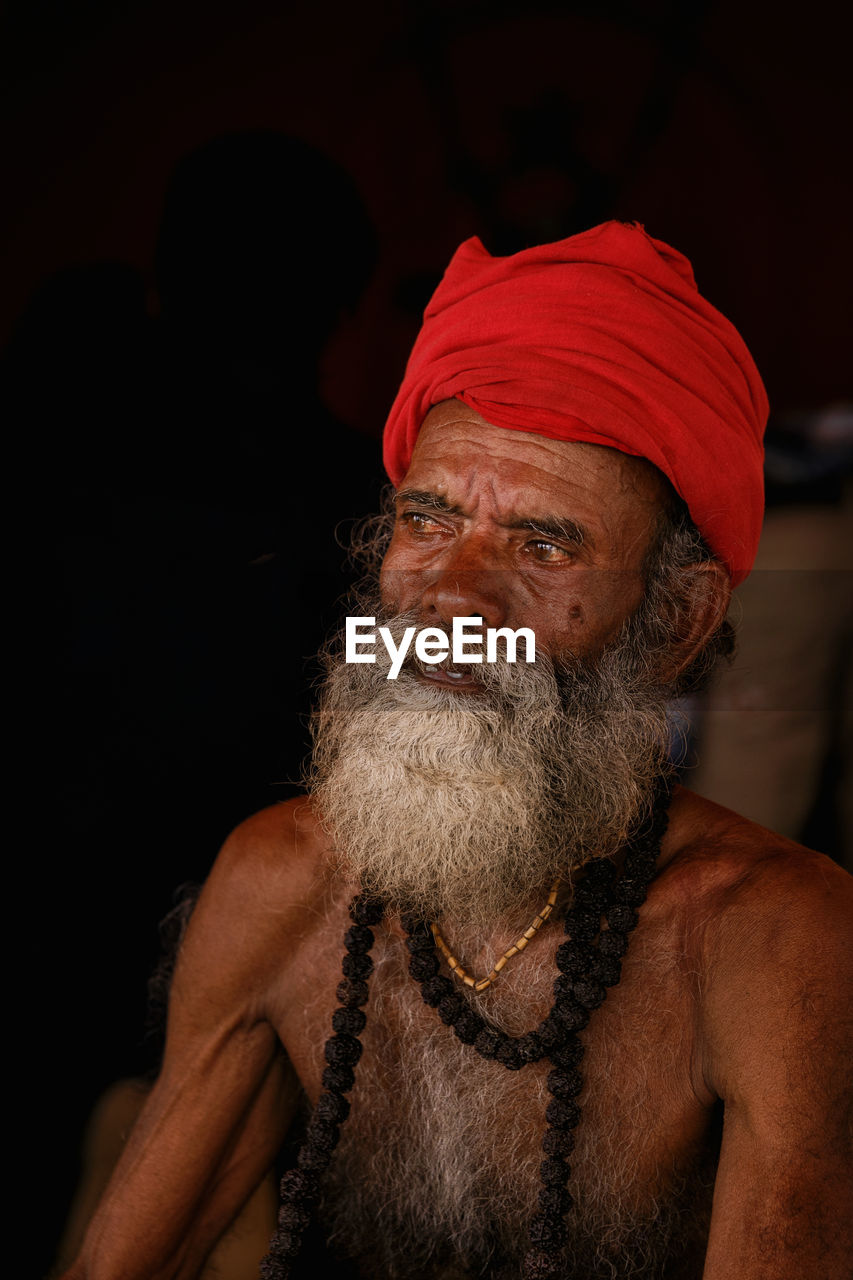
(448, 676)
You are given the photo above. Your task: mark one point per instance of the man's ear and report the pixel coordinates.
(700, 612)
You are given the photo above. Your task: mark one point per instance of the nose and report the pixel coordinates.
(465, 587)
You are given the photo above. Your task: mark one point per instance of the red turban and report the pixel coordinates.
(604, 338)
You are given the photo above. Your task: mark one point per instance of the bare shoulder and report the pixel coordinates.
(725, 863)
(260, 902)
(275, 856)
(751, 895)
(771, 923)
(746, 883)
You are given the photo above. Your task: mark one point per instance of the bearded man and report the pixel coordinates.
(586, 1024)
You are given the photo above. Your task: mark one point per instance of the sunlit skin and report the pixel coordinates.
(522, 531)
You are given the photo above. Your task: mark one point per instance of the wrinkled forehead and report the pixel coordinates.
(459, 445)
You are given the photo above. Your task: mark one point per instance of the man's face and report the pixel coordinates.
(520, 530)
(465, 791)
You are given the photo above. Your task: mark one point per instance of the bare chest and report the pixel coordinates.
(441, 1154)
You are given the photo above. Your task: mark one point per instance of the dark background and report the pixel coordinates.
(200, 381)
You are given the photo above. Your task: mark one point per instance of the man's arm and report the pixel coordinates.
(777, 1026)
(226, 1092)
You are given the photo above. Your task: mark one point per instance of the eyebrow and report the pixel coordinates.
(426, 498)
(556, 528)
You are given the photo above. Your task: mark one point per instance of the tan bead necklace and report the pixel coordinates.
(518, 946)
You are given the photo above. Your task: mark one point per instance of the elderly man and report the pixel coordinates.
(586, 1023)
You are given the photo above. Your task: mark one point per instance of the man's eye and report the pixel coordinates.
(417, 522)
(547, 552)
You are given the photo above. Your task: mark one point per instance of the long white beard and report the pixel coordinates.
(465, 805)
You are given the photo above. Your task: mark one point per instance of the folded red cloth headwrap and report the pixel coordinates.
(604, 338)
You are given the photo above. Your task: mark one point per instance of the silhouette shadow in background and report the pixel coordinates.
(187, 482)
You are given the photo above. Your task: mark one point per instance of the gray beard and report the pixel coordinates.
(467, 804)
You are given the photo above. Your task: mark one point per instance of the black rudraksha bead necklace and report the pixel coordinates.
(589, 961)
